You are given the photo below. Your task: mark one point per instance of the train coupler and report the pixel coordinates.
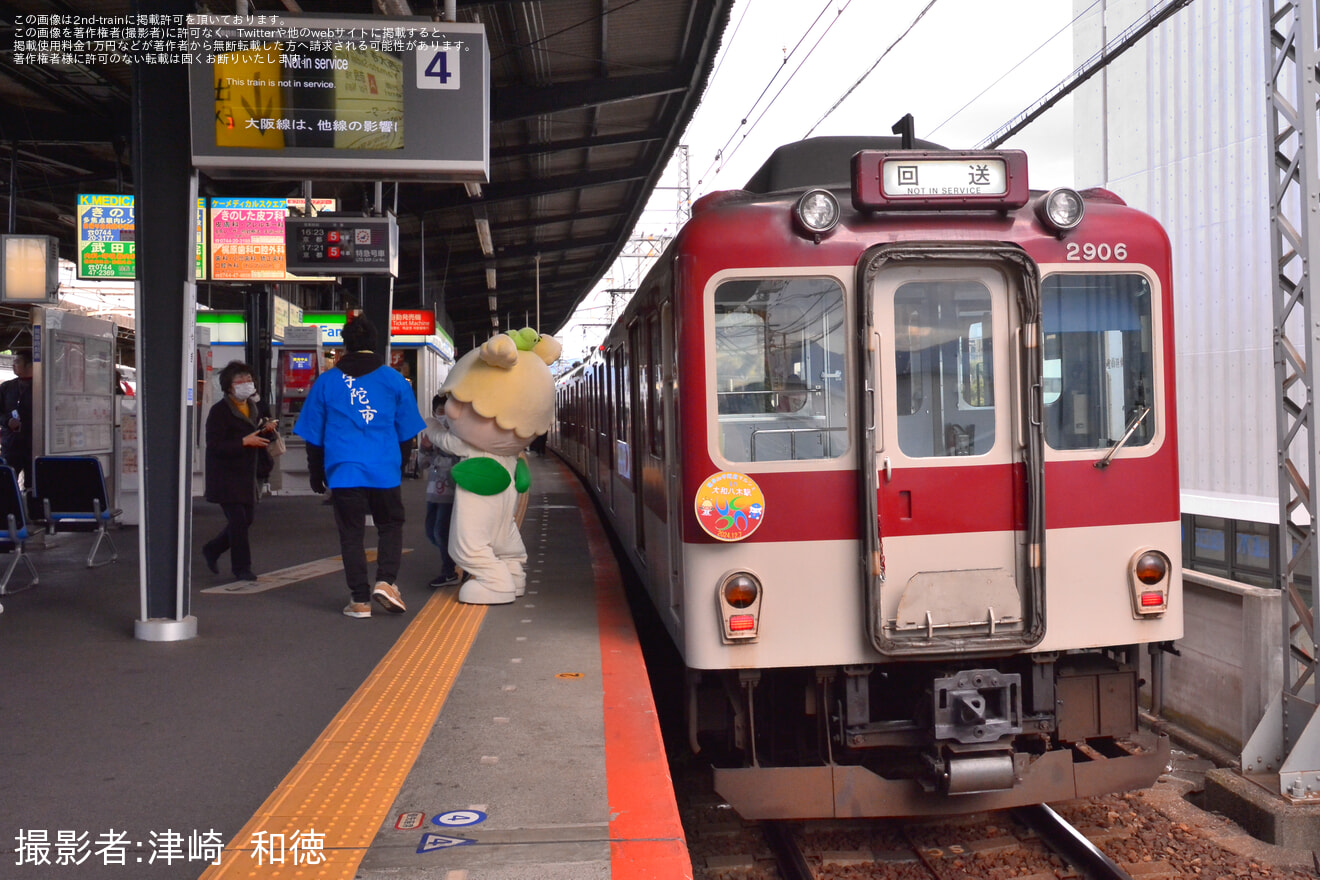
(972, 770)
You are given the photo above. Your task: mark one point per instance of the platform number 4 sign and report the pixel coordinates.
(438, 67)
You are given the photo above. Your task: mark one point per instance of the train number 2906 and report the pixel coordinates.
(1090, 251)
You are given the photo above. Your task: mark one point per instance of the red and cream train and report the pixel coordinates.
(890, 439)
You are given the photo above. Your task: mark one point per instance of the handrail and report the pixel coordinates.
(792, 440)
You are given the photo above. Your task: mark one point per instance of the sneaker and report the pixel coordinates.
(212, 562)
(388, 597)
(444, 580)
(357, 609)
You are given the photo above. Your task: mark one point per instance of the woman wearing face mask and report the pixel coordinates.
(236, 435)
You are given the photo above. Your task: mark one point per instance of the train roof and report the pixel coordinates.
(820, 162)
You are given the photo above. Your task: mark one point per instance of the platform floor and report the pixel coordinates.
(454, 742)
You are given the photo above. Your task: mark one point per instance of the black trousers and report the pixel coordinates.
(351, 509)
(234, 537)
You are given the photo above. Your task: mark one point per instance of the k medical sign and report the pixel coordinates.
(106, 242)
(351, 98)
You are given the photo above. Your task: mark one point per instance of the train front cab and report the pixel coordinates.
(1011, 444)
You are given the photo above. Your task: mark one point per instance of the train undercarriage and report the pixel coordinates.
(921, 738)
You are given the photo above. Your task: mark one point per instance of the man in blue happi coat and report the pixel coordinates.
(357, 420)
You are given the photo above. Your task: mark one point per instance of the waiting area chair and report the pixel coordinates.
(71, 493)
(14, 530)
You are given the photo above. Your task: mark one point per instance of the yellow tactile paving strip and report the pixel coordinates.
(341, 790)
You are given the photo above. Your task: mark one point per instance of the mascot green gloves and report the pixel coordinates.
(500, 397)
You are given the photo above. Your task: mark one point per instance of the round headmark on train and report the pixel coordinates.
(729, 506)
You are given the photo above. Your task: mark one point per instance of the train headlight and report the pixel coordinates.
(1061, 209)
(817, 212)
(1149, 577)
(739, 597)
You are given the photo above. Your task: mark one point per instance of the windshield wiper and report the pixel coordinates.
(1127, 435)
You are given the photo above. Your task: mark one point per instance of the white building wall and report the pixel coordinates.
(1177, 128)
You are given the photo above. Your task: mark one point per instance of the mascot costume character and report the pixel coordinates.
(500, 397)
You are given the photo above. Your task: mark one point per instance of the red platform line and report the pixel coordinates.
(646, 835)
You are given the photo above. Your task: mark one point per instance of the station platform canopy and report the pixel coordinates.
(588, 99)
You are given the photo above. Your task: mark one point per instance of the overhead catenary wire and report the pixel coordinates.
(795, 72)
(1134, 34)
(733, 36)
(719, 154)
(1022, 61)
(862, 78)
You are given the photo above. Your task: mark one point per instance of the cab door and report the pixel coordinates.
(952, 470)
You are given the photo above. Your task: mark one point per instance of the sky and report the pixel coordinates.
(962, 68)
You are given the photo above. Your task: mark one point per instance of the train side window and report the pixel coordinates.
(655, 388)
(1099, 364)
(944, 368)
(780, 351)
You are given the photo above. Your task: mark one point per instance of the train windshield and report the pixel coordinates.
(780, 392)
(944, 368)
(1099, 368)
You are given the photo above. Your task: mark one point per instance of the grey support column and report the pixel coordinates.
(256, 350)
(377, 305)
(165, 191)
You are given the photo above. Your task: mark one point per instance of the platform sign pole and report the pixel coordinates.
(1287, 741)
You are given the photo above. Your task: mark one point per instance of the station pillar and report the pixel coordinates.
(166, 301)
(378, 306)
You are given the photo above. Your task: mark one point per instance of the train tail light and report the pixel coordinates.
(1061, 209)
(739, 597)
(1149, 576)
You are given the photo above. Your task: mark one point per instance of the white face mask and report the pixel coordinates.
(244, 390)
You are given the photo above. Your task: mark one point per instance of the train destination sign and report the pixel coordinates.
(928, 178)
(347, 97)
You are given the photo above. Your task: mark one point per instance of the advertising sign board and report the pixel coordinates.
(106, 245)
(247, 238)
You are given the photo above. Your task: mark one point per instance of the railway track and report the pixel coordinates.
(1070, 843)
(1114, 836)
(1040, 841)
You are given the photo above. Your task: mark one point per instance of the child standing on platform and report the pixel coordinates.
(439, 491)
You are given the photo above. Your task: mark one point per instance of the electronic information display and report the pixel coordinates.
(355, 98)
(338, 245)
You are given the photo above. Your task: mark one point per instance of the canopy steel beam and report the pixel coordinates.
(520, 102)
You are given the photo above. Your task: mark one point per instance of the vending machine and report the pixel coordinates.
(297, 370)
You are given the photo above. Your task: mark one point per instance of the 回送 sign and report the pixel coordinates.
(924, 179)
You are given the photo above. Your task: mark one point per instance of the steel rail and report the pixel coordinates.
(1068, 842)
(788, 855)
